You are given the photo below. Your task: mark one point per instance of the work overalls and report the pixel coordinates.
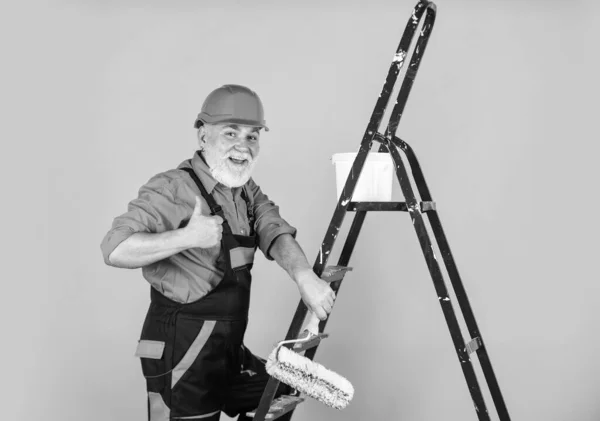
(193, 356)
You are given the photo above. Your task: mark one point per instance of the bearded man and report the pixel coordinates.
(194, 230)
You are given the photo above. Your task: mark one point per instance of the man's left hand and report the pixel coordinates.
(315, 292)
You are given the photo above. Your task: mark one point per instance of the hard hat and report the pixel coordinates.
(232, 104)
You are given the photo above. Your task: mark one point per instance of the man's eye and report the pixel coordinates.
(230, 134)
(252, 138)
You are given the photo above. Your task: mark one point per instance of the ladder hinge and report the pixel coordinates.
(428, 206)
(473, 345)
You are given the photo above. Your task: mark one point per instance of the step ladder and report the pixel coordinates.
(424, 13)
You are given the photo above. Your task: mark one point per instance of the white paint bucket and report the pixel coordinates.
(375, 181)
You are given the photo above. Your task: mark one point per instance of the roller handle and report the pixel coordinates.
(312, 324)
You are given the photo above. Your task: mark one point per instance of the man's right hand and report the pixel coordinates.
(203, 231)
(144, 248)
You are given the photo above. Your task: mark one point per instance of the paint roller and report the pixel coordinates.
(307, 376)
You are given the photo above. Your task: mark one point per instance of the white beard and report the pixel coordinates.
(229, 174)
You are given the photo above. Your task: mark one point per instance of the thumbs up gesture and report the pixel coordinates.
(204, 231)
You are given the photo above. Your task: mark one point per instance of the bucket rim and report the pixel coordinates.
(351, 156)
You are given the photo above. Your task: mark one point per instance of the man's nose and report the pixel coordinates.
(242, 142)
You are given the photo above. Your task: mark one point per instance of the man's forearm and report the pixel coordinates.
(315, 292)
(143, 248)
(287, 253)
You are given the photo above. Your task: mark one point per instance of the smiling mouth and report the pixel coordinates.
(238, 161)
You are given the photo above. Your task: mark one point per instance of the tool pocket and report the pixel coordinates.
(154, 367)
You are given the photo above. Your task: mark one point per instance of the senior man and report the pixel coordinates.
(194, 230)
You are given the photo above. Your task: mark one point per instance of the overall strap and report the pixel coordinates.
(215, 208)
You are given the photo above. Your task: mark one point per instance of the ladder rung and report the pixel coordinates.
(280, 406)
(388, 206)
(334, 273)
(311, 343)
(473, 345)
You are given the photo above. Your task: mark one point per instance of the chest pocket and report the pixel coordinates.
(242, 257)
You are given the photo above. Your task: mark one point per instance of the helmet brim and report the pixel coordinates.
(226, 119)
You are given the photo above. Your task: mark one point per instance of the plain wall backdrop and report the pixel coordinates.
(101, 95)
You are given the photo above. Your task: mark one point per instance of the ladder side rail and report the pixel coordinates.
(265, 400)
(331, 234)
(349, 186)
(372, 129)
(429, 10)
(376, 117)
(343, 260)
(342, 205)
(457, 284)
(367, 140)
(299, 316)
(365, 146)
(440, 237)
(440, 286)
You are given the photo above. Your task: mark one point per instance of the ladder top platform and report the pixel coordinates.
(388, 206)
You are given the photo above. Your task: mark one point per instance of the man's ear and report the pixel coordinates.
(201, 136)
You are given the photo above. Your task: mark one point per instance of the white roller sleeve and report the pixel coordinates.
(309, 377)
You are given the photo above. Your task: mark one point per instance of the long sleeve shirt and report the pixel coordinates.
(166, 201)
